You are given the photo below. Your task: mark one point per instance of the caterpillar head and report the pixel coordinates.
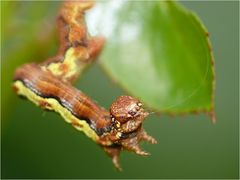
(127, 116)
(127, 113)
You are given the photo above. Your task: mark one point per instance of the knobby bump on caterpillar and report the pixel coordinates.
(49, 85)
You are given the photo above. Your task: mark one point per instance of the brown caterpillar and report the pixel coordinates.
(48, 85)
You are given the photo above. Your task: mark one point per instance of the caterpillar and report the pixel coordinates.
(49, 86)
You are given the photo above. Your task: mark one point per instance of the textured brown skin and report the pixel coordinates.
(122, 126)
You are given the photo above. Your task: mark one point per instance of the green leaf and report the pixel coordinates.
(160, 53)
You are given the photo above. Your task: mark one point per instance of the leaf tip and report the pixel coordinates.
(212, 115)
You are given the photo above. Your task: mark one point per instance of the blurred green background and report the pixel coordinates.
(38, 144)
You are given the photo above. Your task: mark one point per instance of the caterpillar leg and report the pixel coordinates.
(133, 143)
(144, 136)
(114, 153)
